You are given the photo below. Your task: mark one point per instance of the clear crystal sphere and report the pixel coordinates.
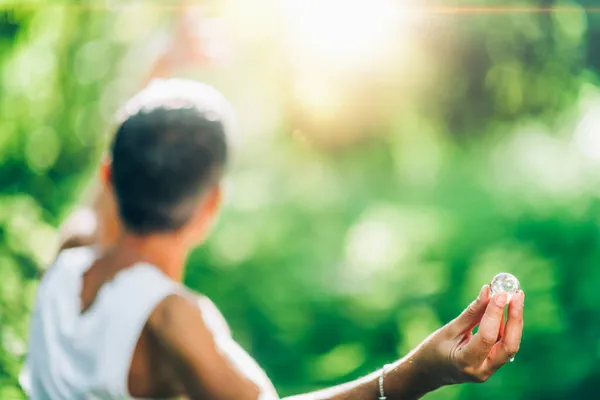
(505, 282)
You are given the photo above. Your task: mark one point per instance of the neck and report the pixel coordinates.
(165, 251)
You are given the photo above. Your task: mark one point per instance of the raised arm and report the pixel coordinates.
(97, 223)
(185, 50)
(451, 355)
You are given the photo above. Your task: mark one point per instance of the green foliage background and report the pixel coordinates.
(329, 262)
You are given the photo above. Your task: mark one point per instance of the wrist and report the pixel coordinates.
(410, 378)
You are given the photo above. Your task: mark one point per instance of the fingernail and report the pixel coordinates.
(517, 299)
(501, 299)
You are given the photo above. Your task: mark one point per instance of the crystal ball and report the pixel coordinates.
(505, 282)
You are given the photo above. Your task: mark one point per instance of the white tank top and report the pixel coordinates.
(87, 356)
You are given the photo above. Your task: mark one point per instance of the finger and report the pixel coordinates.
(506, 349)
(472, 315)
(502, 328)
(477, 350)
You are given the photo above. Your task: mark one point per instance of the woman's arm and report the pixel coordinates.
(450, 355)
(402, 381)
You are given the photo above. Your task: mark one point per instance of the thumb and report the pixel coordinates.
(472, 315)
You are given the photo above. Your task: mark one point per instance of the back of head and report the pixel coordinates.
(169, 149)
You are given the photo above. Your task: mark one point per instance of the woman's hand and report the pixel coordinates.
(454, 355)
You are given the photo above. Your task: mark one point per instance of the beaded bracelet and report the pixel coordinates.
(381, 376)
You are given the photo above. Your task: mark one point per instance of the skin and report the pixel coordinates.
(186, 349)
